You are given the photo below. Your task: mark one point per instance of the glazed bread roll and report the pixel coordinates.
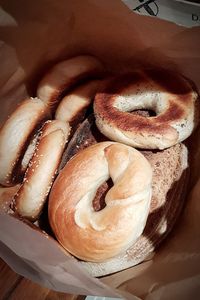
(97, 236)
(167, 93)
(29, 200)
(66, 75)
(16, 133)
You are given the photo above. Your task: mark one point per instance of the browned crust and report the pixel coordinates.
(29, 200)
(170, 208)
(56, 97)
(16, 171)
(166, 81)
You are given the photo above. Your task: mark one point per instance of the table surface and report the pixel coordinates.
(15, 287)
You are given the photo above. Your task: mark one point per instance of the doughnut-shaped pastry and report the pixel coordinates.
(16, 133)
(65, 75)
(165, 92)
(73, 106)
(29, 200)
(105, 233)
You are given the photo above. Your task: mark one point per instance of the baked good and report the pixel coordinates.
(71, 214)
(169, 94)
(81, 172)
(73, 106)
(169, 184)
(15, 134)
(65, 75)
(29, 200)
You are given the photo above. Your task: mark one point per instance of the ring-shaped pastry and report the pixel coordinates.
(110, 231)
(167, 93)
(16, 133)
(29, 200)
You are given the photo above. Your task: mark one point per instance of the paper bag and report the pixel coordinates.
(38, 34)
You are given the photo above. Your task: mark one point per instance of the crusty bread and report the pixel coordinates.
(65, 75)
(167, 93)
(29, 200)
(73, 106)
(169, 183)
(105, 233)
(16, 133)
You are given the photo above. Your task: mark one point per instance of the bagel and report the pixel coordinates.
(29, 200)
(15, 134)
(73, 106)
(71, 215)
(170, 95)
(65, 75)
(169, 184)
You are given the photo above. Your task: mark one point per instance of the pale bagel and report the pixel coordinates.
(73, 106)
(169, 186)
(15, 134)
(29, 200)
(112, 230)
(167, 93)
(64, 75)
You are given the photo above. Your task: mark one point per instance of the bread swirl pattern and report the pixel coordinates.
(29, 200)
(71, 215)
(15, 133)
(167, 93)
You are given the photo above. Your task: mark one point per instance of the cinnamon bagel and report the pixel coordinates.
(29, 200)
(16, 133)
(72, 216)
(167, 93)
(65, 75)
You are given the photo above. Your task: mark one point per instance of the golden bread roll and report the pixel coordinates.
(65, 75)
(97, 236)
(73, 106)
(29, 200)
(169, 184)
(16, 133)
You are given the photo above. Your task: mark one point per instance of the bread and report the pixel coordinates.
(169, 182)
(71, 214)
(65, 75)
(29, 200)
(73, 106)
(15, 135)
(167, 93)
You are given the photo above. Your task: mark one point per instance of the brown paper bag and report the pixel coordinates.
(39, 33)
